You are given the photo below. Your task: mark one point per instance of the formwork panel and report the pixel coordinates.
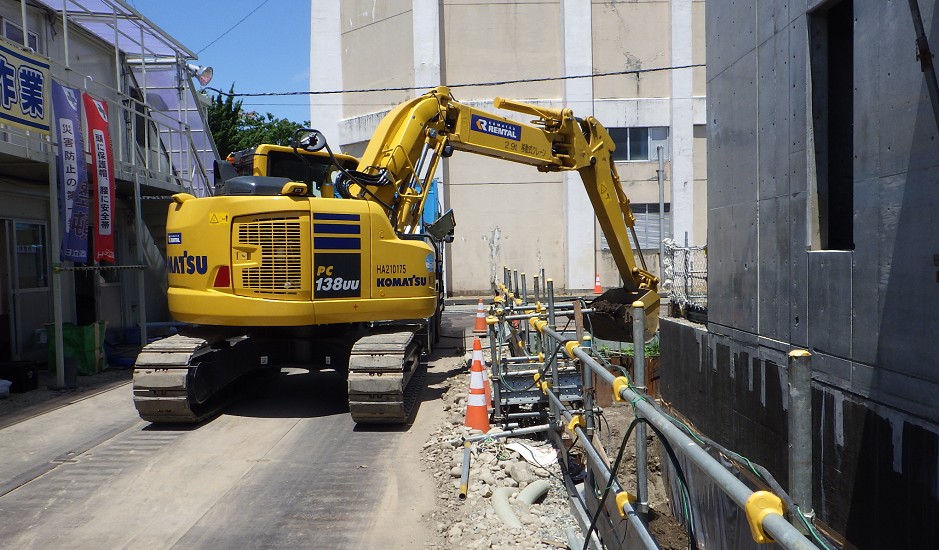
(829, 284)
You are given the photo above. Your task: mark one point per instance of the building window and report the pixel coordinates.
(31, 255)
(647, 225)
(14, 33)
(639, 144)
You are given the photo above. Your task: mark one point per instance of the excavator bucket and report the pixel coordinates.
(612, 317)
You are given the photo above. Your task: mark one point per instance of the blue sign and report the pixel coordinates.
(497, 128)
(74, 194)
(24, 85)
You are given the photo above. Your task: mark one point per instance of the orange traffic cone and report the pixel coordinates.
(597, 289)
(478, 369)
(477, 414)
(480, 327)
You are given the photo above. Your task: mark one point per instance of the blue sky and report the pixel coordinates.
(268, 52)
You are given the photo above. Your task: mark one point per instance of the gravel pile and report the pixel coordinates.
(473, 523)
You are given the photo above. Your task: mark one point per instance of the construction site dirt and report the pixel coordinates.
(498, 465)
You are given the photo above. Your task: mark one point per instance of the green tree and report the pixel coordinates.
(255, 128)
(225, 121)
(235, 129)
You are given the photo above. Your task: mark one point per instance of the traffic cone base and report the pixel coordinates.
(477, 407)
(477, 417)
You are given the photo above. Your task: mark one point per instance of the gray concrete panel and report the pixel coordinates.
(718, 156)
(724, 48)
(834, 371)
(907, 393)
(866, 291)
(773, 117)
(830, 321)
(733, 127)
(771, 16)
(741, 129)
(743, 267)
(798, 178)
(910, 276)
(774, 268)
(867, 94)
(798, 267)
(900, 115)
(798, 87)
(720, 258)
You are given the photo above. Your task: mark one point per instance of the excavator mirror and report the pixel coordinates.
(309, 139)
(442, 228)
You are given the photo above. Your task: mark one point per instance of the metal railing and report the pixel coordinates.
(553, 371)
(148, 143)
(685, 275)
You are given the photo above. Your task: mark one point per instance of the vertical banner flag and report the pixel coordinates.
(73, 180)
(24, 81)
(99, 140)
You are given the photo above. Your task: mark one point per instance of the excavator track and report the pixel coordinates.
(162, 380)
(382, 383)
(187, 378)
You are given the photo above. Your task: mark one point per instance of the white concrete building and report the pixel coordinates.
(509, 214)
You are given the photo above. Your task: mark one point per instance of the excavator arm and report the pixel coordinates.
(403, 155)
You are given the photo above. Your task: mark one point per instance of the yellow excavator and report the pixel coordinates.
(316, 259)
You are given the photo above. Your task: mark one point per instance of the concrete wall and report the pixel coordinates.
(542, 221)
(867, 314)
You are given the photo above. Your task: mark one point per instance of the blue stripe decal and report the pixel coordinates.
(336, 217)
(337, 243)
(340, 228)
(43, 127)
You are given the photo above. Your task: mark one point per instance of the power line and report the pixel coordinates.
(493, 83)
(232, 27)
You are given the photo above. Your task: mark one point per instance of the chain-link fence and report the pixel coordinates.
(686, 276)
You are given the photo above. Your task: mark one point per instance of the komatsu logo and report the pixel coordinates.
(496, 128)
(187, 264)
(413, 280)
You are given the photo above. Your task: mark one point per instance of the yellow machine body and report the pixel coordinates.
(284, 260)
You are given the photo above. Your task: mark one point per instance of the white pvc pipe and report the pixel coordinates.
(500, 504)
(533, 491)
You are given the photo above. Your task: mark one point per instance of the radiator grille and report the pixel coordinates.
(281, 269)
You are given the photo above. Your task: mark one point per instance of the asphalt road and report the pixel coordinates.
(284, 467)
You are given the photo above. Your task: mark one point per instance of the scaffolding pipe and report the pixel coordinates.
(607, 476)
(661, 177)
(464, 474)
(64, 30)
(800, 434)
(639, 372)
(775, 525)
